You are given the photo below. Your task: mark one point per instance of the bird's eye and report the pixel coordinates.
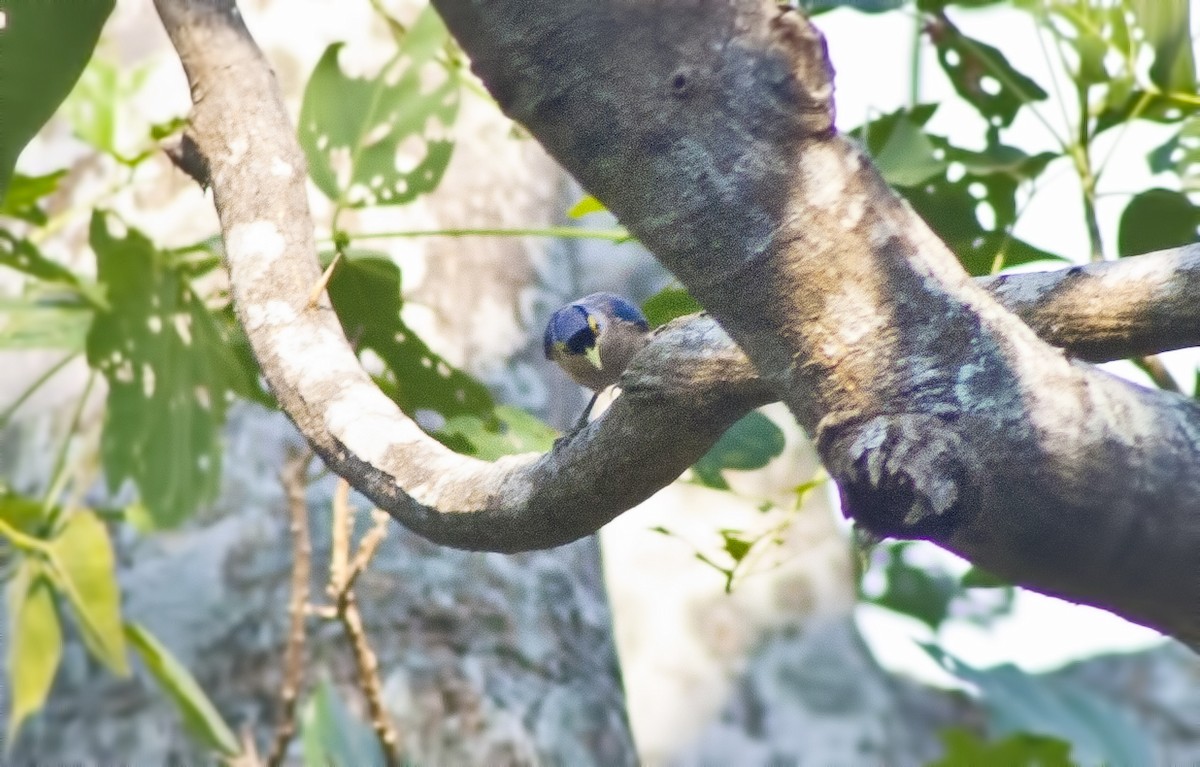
(581, 341)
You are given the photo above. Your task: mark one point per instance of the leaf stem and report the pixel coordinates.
(617, 234)
(22, 541)
(49, 373)
(59, 475)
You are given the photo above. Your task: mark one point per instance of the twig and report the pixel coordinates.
(293, 476)
(366, 548)
(368, 677)
(343, 525)
(343, 572)
(1152, 366)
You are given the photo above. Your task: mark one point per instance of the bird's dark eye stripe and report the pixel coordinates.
(581, 341)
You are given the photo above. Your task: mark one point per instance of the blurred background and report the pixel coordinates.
(150, 550)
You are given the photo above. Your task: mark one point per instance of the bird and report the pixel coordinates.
(593, 339)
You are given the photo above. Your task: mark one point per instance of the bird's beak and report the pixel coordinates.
(593, 355)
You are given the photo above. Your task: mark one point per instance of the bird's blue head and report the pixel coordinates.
(580, 329)
(572, 331)
(594, 339)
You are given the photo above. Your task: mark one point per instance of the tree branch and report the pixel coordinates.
(707, 130)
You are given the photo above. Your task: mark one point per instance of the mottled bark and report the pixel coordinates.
(707, 129)
(1110, 310)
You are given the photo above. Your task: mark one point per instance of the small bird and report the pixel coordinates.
(593, 339)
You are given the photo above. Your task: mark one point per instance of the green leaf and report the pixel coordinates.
(23, 195)
(954, 209)
(384, 140)
(512, 431)
(365, 291)
(1157, 219)
(1167, 27)
(669, 303)
(749, 444)
(27, 325)
(34, 644)
(200, 716)
(924, 594)
(44, 45)
(964, 748)
(333, 737)
(876, 133)
(1180, 155)
(245, 377)
(25, 515)
(169, 127)
(909, 157)
(981, 74)
(978, 578)
(98, 110)
(1017, 702)
(170, 374)
(84, 570)
(922, 166)
(812, 7)
(938, 5)
(23, 255)
(588, 204)
(735, 544)
(1085, 30)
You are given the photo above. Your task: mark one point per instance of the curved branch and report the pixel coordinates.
(905, 424)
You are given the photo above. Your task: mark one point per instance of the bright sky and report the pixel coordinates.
(871, 54)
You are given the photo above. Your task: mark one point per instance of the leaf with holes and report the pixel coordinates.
(1092, 31)
(383, 140)
(974, 213)
(34, 643)
(365, 291)
(170, 375)
(749, 444)
(24, 256)
(1167, 25)
(43, 48)
(1155, 31)
(981, 74)
(1180, 155)
(84, 570)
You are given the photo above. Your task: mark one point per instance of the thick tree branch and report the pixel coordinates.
(1113, 309)
(707, 129)
(708, 132)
